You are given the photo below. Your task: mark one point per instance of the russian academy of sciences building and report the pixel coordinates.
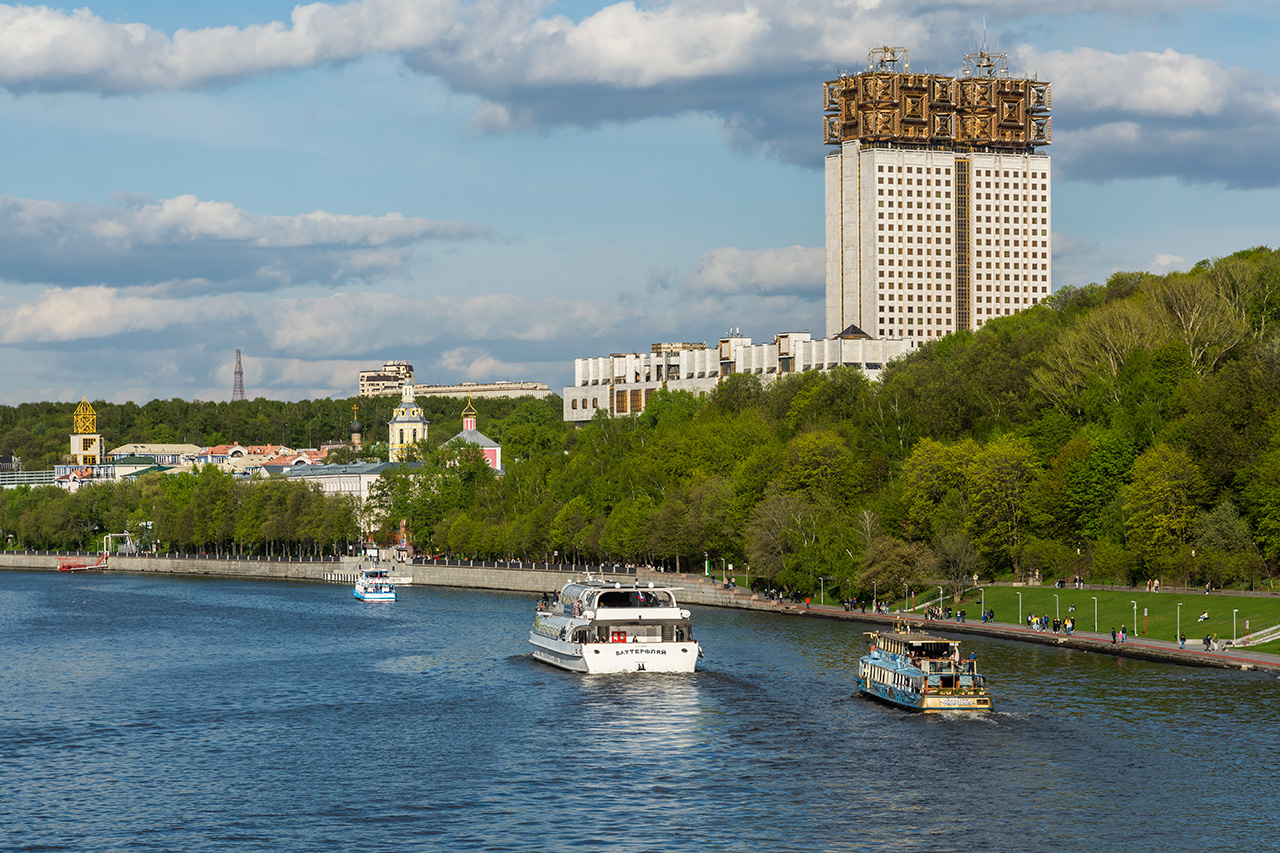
(937, 202)
(937, 220)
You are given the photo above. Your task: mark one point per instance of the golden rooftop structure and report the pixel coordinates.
(983, 109)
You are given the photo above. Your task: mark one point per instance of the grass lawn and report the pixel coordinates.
(1116, 608)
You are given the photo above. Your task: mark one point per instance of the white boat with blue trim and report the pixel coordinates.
(596, 626)
(374, 585)
(922, 672)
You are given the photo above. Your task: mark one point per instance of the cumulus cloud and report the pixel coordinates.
(753, 65)
(798, 270)
(192, 245)
(59, 315)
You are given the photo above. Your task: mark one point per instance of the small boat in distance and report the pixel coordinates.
(594, 626)
(374, 585)
(921, 672)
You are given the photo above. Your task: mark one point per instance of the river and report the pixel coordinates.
(157, 713)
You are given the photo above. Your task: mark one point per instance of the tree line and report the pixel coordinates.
(1119, 431)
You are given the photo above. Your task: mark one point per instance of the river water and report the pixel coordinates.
(144, 713)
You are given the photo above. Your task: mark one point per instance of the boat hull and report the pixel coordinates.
(615, 657)
(929, 703)
(374, 596)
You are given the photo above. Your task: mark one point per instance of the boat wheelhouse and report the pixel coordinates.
(594, 626)
(922, 672)
(374, 585)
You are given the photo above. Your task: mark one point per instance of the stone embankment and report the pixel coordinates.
(695, 589)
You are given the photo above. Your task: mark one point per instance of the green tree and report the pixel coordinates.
(1162, 501)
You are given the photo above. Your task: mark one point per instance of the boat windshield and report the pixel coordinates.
(630, 598)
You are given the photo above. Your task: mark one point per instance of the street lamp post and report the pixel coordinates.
(1233, 625)
(982, 591)
(1178, 637)
(1135, 615)
(1095, 613)
(906, 593)
(939, 596)
(875, 602)
(1019, 608)
(706, 564)
(822, 590)
(1057, 614)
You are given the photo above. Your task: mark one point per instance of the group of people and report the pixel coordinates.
(1077, 582)
(938, 613)
(1058, 626)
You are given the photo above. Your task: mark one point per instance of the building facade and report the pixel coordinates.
(937, 202)
(622, 383)
(385, 380)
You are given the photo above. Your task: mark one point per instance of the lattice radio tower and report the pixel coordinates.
(237, 390)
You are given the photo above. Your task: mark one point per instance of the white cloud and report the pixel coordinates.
(1163, 262)
(753, 65)
(192, 244)
(60, 315)
(793, 270)
(1139, 83)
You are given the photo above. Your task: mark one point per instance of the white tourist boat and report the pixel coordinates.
(374, 585)
(596, 626)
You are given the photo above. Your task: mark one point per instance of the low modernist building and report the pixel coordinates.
(385, 380)
(622, 383)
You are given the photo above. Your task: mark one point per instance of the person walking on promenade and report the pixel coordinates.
(1113, 636)
(1122, 633)
(1182, 641)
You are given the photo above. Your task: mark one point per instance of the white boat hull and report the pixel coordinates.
(364, 595)
(615, 657)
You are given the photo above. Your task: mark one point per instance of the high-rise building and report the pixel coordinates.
(937, 202)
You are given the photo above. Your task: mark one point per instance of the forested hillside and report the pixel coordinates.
(1121, 431)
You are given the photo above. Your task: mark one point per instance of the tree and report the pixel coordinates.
(890, 563)
(1162, 501)
(932, 470)
(1000, 478)
(956, 560)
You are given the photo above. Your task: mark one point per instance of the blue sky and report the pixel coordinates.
(491, 189)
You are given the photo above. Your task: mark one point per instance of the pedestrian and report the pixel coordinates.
(1122, 633)
(1113, 636)
(1182, 641)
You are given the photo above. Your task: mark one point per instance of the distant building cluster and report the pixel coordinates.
(86, 463)
(388, 380)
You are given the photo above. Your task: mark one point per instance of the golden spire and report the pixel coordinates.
(86, 419)
(469, 412)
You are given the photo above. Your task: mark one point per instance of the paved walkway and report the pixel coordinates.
(1137, 647)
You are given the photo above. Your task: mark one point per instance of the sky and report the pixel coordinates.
(491, 189)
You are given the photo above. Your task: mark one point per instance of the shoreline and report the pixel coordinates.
(695, 589)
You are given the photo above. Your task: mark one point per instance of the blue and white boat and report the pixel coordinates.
(374, 585)
(921, 672)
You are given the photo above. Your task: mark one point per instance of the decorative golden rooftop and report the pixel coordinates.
(984, 108)
(85, 419)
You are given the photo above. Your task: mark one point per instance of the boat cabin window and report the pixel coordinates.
(631, 598)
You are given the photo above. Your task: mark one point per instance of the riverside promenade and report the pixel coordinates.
(707, 591)
(695, 589)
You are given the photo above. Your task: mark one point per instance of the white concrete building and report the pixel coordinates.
(622, 383)
(485, 390)
(937, 201)
(921, 243)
